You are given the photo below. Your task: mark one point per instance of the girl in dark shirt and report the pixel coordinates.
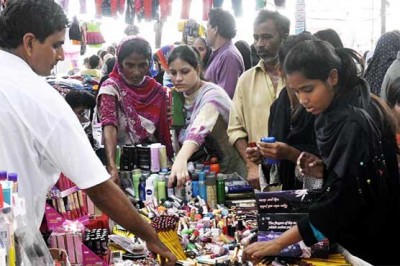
(360, 203)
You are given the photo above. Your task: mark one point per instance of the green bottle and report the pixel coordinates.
(136, 174)
(161, 187)
(221, 189)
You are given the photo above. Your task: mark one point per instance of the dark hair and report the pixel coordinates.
(315, 60)
(111, 49)
(77, 98)
(245, 51)
(393, 93)
(291, 41)
(282, 23)
(136, 45)
(208, 53)
(94, 61)
(188, 54)
(110, 64)
(330, 36)
(102, 53)
(224, 21)
(40, 17)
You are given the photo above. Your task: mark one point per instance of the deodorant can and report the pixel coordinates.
(269, 140)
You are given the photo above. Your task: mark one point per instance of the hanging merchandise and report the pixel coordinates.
(154, 9)
(82, 6)
(117, 6)
(237, 8)
(218, 3)
(191, 31)
(165, 9)
(64, 4)
(106, 8)
(260, 4)
(280, 3)
(185, 9)
(139, 9)
(147, 6)
(300, 17)
(93, 34)
(207, 5)
(130, 12)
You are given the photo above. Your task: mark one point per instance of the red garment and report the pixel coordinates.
(117, 6)
(185, 9)
(138, 5)
(165, 8)
(207, 5)
(98, 5)
(148, 9)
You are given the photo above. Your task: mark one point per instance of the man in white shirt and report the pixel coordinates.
(40, 135)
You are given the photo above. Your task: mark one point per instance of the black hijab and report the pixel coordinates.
(295, 128)
(335, 137)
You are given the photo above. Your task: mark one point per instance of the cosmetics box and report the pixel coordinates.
(286, 201)
(298, 250)
(278, 222)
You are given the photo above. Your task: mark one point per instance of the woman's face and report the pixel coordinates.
(201, 47)
(314, 94)
(184, 76)
(135, 66)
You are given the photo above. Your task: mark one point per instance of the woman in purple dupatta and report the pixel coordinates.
(132, 105)
(207, 113)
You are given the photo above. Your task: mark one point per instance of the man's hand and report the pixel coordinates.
(166, 256)
(253, 176)
(253, 154)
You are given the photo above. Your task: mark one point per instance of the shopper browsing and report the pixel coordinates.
(206, 111)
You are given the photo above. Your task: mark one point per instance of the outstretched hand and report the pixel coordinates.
(166, 256)
(310, 165)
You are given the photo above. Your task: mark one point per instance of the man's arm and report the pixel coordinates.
(252, 169)
(109, 198)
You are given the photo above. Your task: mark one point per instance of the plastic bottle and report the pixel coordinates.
(161, 187)
(269, 140)
(211, 184)
(221, 189)
(195, 184)
(142, 188)
(202, 186)
(155, 157)
(170, 190)
(163, 156)
(188, 190)
(150, 194)
(136, 174)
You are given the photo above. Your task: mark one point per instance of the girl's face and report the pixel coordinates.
(135, 66)
(314, 94)
(201, 47)
(185, 77)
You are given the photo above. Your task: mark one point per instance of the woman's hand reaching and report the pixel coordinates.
(310, 165)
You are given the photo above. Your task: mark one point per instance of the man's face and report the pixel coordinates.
(211, 33)
(42, 57)
(267, 41)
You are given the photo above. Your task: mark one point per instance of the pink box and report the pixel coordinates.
(71, 248)
(61, 241)
(78, 248)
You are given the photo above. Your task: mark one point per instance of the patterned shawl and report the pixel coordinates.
(139, 104)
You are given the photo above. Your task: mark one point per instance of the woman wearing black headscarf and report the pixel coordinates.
(360, 202)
